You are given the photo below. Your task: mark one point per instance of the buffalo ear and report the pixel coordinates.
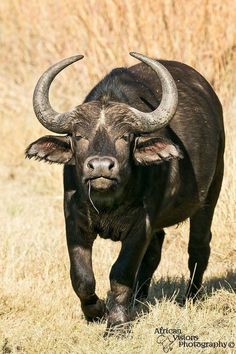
(154, 150)
(51, 148)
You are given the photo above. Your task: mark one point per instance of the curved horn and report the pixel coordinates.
(50, 119)
(161, 116)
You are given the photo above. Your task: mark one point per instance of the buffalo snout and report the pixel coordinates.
(101, 165)
(102, 171)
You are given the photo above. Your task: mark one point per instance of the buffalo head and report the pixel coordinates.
(104, 139)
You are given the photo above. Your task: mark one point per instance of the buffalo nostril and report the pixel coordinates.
(90, 165)
(111, 165)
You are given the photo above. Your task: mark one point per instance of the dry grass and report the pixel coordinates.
(39, 312)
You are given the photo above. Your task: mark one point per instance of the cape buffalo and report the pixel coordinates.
(144, 151)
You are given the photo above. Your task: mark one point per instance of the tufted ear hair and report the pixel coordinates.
(51, 148)
(154, 150)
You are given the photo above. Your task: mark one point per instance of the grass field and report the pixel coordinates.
(39, 312)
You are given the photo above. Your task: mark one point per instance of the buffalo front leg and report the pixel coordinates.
(83, 282)
(80, 240)
(123, 275)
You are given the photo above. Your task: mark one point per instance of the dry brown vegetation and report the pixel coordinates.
(39, 312)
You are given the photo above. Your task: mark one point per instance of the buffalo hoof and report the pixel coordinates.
(142, 295)
(118, 322)
(194, 293)
(94, 312)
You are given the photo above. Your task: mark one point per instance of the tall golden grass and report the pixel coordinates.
(34, 35)
(38, 311)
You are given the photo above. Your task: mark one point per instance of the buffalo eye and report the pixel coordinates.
(78, 137)
(125, 137)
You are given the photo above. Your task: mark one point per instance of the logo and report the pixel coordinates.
(168, 338)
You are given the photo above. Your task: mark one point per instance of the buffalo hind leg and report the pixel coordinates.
(200, 237)
(149, 264)
(198, 249)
